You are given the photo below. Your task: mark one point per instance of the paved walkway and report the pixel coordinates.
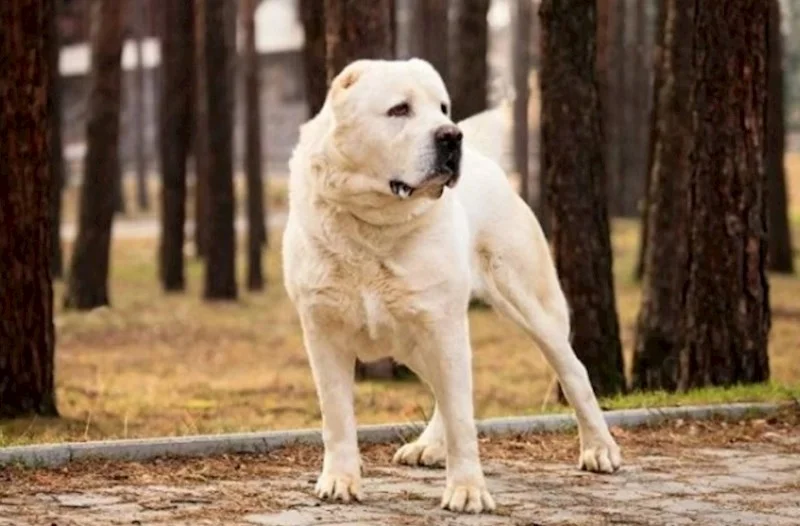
(716, 486)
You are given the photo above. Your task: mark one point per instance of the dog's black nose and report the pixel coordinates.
(448, 137)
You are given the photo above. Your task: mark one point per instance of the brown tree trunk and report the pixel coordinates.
(87, 286)
(660, 329)
(521, 66)
(652, 134)
(220, 269)
(256, 232)
(56, 146)
(727, 297)
(781, 257)
(470, 74)
(313, 18)
(572, 146)
(139, 112)
(26, 290)
(200, 136)
(175, 136)
(355, 29)
(431, 34)
(616, 106)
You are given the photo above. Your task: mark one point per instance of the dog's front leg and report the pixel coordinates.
(448, 368)
(333, 369)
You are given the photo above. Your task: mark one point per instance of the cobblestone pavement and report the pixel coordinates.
(747, 484)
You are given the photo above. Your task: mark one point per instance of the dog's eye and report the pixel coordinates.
(444, 108)
(399, 110)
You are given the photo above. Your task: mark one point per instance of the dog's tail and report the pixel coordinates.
(489, 132)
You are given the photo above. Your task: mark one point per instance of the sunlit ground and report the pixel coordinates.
(171, 365)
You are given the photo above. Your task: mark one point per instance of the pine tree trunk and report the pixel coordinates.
(139, 112)
(200, 136)
(660, 326)
(175, 122)
(781, 257)
(470, 74)
(255, 188)
(355, 29)
(430, 40)
(26, 290)
(56, 147)
(727, 297)
(521, 66)
(313, 18)
(652, 134)
(88, 277)
(572, 146)
(220, 269)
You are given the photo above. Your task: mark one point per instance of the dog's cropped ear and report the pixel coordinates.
(348, 77)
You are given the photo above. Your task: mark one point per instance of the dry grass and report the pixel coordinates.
(171, 365)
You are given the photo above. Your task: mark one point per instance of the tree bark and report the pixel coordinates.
(660, 328)
(56, 146)
(572, 146)
(257, 233)
(26, 290)
(88, 277)
(200, 137)
(431, 35)
(313, 18)
(727, 296)
(652, 119)
(470, 74)
(781, 257)
(139, 112)
(521, 66)
(220, 269)
(175, 136)
(356, 29)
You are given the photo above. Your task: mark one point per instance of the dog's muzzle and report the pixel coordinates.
(447, 166)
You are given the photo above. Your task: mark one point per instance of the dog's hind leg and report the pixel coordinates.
(523, 285)
(430, 448)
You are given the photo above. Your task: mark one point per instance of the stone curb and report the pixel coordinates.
(50, 455)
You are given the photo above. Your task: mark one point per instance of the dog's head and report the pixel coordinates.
(392, 122)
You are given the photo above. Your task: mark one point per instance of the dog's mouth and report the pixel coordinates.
(446, 174)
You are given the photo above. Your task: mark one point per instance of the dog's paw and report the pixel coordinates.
(339, 487)
(417, 453)
(467, 498)
(600, 457)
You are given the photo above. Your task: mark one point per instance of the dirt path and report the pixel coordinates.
(741, 473)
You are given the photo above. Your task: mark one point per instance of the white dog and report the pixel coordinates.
(381, 253)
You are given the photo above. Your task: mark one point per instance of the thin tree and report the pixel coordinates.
(727, 298)
(56, 146)
(652, 120)
(781, 257)
(313, 19)
(431, 34)
(572, 146)
(87, 286)
(177, 50)
(523, 21)
(26, 290)
(257, 232)
(354, 30)
(660, 324)
(469, 82)
(220, 268)
(200, 137)
(140, 109)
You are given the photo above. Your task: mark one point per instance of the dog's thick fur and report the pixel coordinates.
(373, 273)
